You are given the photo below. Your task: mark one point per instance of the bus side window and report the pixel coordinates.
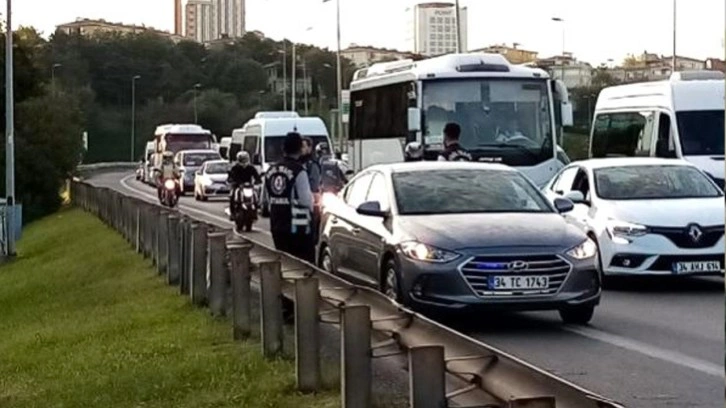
(665, 146)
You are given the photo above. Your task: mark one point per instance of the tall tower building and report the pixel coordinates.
(230, 18)
(200, 19)
(178, 17)
(434, 28)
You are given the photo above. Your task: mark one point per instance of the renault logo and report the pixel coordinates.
(517, 266)
(694, 231)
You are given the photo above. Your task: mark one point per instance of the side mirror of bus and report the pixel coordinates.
(256, 160)
(567, 115)
(414, 119)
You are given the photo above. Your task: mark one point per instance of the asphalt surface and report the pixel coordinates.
(652, 343)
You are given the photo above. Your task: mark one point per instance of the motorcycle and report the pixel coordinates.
(246, 211)
(169, 196)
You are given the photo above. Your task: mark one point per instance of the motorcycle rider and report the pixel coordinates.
(453, 150)
(414, 152)
(167, 170)
(241, 173)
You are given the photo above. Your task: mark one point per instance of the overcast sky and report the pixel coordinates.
(595, 30)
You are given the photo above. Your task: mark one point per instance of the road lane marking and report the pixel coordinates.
(649, 350)
(226, 221)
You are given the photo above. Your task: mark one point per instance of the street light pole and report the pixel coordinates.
(196, 114)
(133, 116)
(339, 80)
(562, 66)
(305, 85)
(294, 77)
(284, 75)
(9, 135)
(52, 77)
(674, 64)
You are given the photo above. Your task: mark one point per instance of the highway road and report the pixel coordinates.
(651, 344)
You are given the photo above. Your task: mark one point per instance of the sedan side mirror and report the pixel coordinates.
(563, 205)
(576, 197)
(371, 208)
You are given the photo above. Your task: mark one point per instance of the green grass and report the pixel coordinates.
(84, 322)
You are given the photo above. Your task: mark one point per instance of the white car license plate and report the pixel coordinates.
(696, 267)
(518, 282)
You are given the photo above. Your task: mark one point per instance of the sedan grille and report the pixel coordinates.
(685, 237)
(481, 271)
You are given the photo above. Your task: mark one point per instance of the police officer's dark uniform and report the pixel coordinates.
(290, 220)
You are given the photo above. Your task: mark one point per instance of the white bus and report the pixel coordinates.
(175, 138)
(682, 117)
(508, 113)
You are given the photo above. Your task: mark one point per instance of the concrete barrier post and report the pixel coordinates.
(217, 273)
(162, 242)
(155, 216)
(137, 228)
(173, 244)
(307, 335)
(426, 374)
(271, 308)
(239, 252)
(198, 281)
(186, 272)
(355, 354)
(148, 231)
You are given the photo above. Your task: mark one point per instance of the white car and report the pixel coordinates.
(211, 180)
(648, 216)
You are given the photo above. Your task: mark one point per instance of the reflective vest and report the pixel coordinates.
(286, 216)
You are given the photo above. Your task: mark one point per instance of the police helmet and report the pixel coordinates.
(322, 149)
(243, 158)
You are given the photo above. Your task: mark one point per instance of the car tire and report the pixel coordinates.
(326, 261)
(391, 282)
(580, 315)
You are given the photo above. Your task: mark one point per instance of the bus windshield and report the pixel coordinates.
(274, 144)
(509, 115)
(701, 132)
(178, 142)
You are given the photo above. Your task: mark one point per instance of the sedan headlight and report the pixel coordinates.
(622, 229)
(422, 252)
(206, 181)
(586, 250)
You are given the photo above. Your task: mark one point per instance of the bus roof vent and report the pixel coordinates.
(697, 75)
(276, 115)
(482, 67)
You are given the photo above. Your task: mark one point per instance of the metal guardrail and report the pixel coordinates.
(191, 250)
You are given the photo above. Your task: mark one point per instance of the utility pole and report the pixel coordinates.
(133, 115)
(196, 114)
(339, 80)
(305, 85)
(458, 29)
(9, 135)
(284, 75)
(52, 77)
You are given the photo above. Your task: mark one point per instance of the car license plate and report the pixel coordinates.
(518, 282)
(696, 267)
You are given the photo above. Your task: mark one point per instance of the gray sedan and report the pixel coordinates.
(457, 236)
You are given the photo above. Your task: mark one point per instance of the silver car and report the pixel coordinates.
(457, 236)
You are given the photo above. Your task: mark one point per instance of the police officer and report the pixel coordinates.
(452, 149)
(291, 202)
(332, 177)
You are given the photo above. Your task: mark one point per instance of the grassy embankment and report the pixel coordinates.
(84, 322)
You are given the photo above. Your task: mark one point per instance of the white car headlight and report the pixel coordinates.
(422, 252)
(206, 181)
(623, 229)
(585, 250)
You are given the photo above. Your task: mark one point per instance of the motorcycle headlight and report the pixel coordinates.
(585, 250)
(248, 193)
(170, 184)
(422, 252)
(623, 229)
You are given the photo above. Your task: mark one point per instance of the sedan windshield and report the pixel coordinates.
(653, 182)
(465, 191)
(197, 159)
(217, 168)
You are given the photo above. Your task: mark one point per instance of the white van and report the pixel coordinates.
(224, 144)
(263, 138)
(149, 162)
(682, 117)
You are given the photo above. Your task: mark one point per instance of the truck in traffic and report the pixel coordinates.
(508, 114)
